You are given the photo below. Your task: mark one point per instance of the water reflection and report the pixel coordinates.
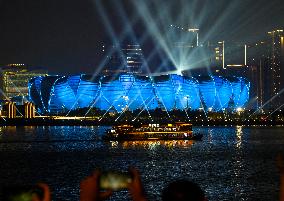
(153, 144)
(1, 132)
(238, 171)
(210, 136)
(50, 138)
(11, 129)
(239, 133)
(230, 163)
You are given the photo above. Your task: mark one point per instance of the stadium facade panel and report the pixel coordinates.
(53, 94)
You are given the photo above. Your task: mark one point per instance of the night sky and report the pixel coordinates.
(66, 36)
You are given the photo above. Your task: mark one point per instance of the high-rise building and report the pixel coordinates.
(266, 64)
(276, 66)
(219, 54)
(230, 54)
(257, 67)
(14, 80)
(123, 59)
(184, 37)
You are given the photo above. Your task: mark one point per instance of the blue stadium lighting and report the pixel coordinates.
(207, 91)
(130, 92)
(223, 91)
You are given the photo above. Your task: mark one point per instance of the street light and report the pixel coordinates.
(195, 30)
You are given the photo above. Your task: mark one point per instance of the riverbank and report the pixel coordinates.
(80, 121)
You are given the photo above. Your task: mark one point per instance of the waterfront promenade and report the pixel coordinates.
(87, 121)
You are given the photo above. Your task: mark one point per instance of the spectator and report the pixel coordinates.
(183, 190)
(280, 164)
(90, 190)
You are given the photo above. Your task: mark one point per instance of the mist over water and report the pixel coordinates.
(231, 163)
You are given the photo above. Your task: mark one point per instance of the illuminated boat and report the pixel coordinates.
(177, 131)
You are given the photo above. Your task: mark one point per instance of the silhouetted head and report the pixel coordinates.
(183, 190)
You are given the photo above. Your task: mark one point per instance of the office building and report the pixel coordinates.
(123, 59)
(257, 63)
(266, 70)
(276, 67)
(14, 80)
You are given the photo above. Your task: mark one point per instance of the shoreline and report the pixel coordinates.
(111, 122)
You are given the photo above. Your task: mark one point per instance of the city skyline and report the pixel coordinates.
(158, 99)
(67, 35)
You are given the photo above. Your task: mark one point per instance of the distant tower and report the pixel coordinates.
(134, 58)
(267, 57)
(220, 54)
(123, 59)
(14, 80)
(276, 66)
(195, 30)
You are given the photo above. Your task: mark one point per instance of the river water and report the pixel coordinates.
(231, 163)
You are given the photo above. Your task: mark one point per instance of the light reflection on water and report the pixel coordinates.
(239, 133)
(156, 143)
(231, 163)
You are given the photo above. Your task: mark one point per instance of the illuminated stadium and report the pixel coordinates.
(130, 92)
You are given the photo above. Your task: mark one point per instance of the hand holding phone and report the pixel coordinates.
(23, 193)
(90, 187)
(114, 180)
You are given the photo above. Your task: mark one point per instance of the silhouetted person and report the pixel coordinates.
(280, 164)
(183, 190)
(90, 190)
(39, 192)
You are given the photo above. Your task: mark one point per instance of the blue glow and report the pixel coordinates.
(87, 91)
(244, 95)
(223, 91)
(207, 91)
(165, 92)
(130, 92)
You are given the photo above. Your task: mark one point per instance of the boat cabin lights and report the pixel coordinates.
(125, 125)
(154, 125)
(185, 124)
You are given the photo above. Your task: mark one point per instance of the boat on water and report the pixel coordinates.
(176, 131)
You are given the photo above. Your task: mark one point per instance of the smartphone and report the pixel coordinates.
(114, 180)
(22, 193)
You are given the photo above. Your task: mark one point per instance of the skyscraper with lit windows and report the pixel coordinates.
(266, 71)
(14, 80)
(276, 67)
(123, 59)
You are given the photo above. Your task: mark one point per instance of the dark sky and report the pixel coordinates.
(67, 35)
